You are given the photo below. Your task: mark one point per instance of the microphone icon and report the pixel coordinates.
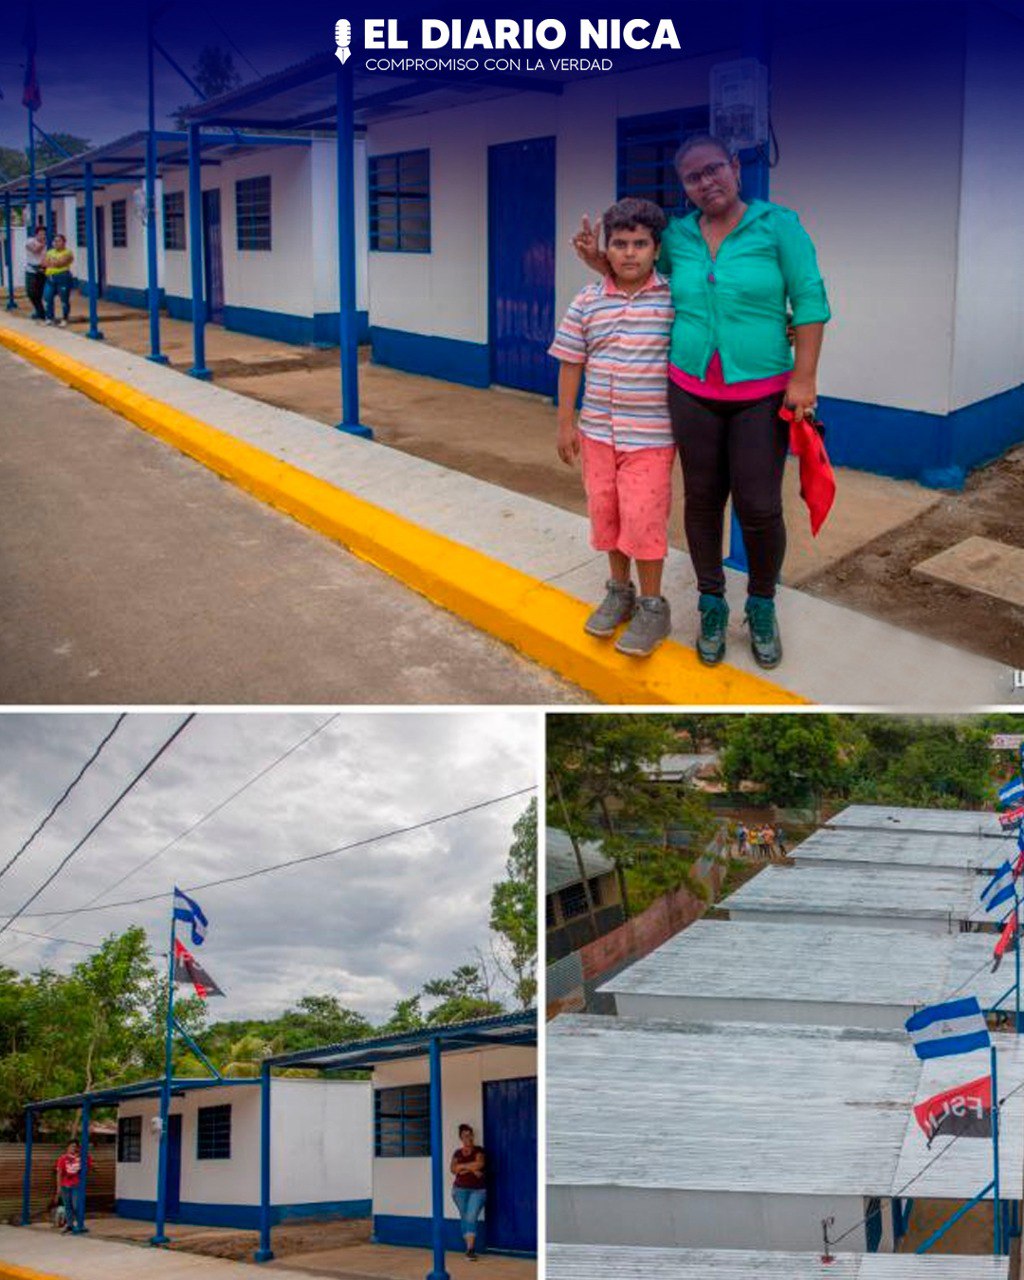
(343, 38)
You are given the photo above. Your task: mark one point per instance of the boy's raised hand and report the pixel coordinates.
(586, 243)
(568, 442)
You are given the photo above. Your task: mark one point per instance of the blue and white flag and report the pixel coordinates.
(1012, 792)
(955, 1026)
(999, 889)
(187, 909)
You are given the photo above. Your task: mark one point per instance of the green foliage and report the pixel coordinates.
(214, 72)
(930, 762)
(794, 758)
(463, 995)
(14, 163)
(514, 909)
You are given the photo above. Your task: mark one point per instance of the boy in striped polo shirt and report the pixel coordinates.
(618, 331)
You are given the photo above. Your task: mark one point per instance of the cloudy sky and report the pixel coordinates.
(370, 926)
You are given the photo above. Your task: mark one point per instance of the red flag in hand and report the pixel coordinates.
(817, 479)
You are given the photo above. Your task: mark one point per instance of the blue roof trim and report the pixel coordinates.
(139, 1089)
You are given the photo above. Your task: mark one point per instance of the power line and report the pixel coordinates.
(46, 937)
(210, 813)
(64, 795)
(294, 862)
(99, 821)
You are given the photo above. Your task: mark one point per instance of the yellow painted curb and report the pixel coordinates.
(8, 1271)
(539, 620)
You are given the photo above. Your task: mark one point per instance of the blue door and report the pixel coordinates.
(172, 1203)
(213, 257)
(510, 1140)
(521, 263)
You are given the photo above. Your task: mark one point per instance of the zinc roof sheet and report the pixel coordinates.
(732, 960)
(561, 868)
(897, 848)
(980, 822)
(606, 1262)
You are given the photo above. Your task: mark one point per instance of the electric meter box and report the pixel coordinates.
(739, 103)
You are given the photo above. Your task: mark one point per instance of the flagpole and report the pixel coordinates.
(1016, 954)
(32, 167)
(159, 1236)
(996, 1207)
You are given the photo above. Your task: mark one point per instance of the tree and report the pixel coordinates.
(514, 909)
(214, 73)
(67, 144)
(606, 793)
(794, 758)
(463, 996)
(931, 762)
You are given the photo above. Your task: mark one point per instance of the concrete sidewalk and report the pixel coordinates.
(472, 547)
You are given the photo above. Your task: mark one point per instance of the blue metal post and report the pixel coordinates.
(11, 304)
(83, 1178)
(159, 1236)
(90, 255)
(32, 165)
(1016, 959)
(436, 1163)
(26, 1182)
(151, 259)
(348, 336)
(996, 1224)
(756, 44)
(264, 1253)
(195, 237)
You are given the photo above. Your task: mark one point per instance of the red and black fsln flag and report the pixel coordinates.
(188, 969)
(964, 1111)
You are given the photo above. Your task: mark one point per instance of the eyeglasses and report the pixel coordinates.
(703, 175)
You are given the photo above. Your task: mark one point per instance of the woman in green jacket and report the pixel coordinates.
(742, 274)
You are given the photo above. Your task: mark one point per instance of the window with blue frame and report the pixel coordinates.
(129, 1140)
(400, 202)
(213, 1133)
(119, 224)
(646, 153)
(401, 1121)
(252, 213)
(80, 226)
(174, 220)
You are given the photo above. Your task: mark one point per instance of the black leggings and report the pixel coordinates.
(737, 447)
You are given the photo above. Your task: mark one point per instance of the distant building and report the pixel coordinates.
(569, 925)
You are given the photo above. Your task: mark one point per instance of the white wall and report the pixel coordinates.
(278, 280)
(321, 1144)
(401, 1185)
(698, 1219)
(127, 266)
(804, 1012)
(324, 224)
(989, 350)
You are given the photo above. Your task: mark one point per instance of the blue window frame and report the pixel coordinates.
(646, 151)
(399, 189)
(401, 1121)
(129, 1140)
(80, 226)
(119, 224)
(174, 220)
(213, 1133)
(252, 213)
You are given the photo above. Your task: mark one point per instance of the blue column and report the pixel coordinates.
(90, 255)
(756, 44)
(11, 304)
(348, 333)
(264, 1253)
(26, 1182)
(996, 1210)
(437, 1169)
(32, 165)
(83, 1183)
(152, 271)
(159, 1236)
(195, 249)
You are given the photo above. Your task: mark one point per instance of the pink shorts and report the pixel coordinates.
(629, 496)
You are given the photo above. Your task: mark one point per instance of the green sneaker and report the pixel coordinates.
(714, 621)
(765, 641)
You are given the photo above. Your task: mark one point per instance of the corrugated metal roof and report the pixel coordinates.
(965, 822)
(888, 893)
(560, 862)
(607, 1262)
(678, 766)
(727, 1106)
(730, 960)
(897, 848)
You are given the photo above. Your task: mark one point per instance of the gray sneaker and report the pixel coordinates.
(616, 608)
(651, 623)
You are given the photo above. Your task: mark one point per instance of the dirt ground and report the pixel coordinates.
(878, 578)
(218, 1242)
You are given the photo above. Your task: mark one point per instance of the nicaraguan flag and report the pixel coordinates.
(955, 1026)
(1012, 792)
(187, 909)
(999, 889)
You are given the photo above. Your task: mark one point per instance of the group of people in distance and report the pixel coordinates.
(48, 276)
(759, 842)
(700, 331)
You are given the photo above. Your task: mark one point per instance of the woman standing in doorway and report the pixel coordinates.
(469, 1190)
(742, 273)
